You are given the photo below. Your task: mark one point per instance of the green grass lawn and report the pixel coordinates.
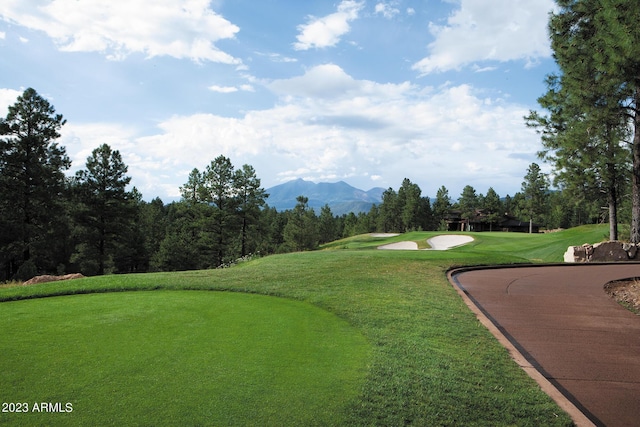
(167, 357)
(414, 353)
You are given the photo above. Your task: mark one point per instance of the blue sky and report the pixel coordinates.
(364, 91)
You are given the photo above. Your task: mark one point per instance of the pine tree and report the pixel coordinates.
(468, 203)
(441, 207)
(32, 182)
(191, 191)
(218, 189)
(492, 207)
(301, 231)
(251, 199)
(535, 190)
(390, 218)
(326, 225)
(596, 45)
(409, 204)
(104, 211)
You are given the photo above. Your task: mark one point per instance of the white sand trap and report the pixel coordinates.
(437, 243)
(448, 241)
(406, 246)
(384, 234)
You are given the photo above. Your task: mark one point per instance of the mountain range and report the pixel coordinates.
(341, 197)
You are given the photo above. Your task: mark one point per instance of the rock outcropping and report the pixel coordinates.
(47, 278)
(611, 251)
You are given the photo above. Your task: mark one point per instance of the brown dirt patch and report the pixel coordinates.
(626, 293)
(47, 278)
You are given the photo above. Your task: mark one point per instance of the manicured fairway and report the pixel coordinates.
(170, 357)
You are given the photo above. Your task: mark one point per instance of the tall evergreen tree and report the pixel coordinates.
(596, 45)
(326, 225)
(535, 189)
(492, 207)
(468, 203)
(441, 207)
(409, 204)
(132, 255)
(390, 217)
(251, 198)
(218, 189)
(301, 231)
(192, 191)
(184, 246)
(153, 222)
(32, 169)
(582, 137)
(104, 212)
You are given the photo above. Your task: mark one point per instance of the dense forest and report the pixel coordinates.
(96, 222)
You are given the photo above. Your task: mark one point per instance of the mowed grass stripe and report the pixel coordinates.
(181, 358)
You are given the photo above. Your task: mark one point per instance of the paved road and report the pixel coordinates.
(564, 324)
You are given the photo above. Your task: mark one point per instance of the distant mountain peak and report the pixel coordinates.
(341, 197)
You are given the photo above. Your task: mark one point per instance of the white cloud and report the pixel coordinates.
(370, 133)
(81, 139)
(388, 9)
(3, 35)
(276, 57)
(181, 29)
(7, 97)
(507, 30)
(327, 80)
(232, 89)
(476, 68)
(223, 89)
(327, 125)
(326, 31)
(149, 174)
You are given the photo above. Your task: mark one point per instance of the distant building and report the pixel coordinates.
(481, 222)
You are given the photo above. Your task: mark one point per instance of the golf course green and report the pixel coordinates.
(214, 358)
(348, 335)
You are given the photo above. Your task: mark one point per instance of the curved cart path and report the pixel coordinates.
(566, 332)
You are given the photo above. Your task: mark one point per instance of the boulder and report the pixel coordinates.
(631, 249)
(578, 253)
(609, 251)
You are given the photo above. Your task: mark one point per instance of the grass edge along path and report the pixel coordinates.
(431, 361)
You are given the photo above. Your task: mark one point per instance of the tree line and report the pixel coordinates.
(95, 222)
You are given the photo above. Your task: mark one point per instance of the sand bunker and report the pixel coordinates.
(400, 246)
(384, 234)
(448, 241)
(437, 243)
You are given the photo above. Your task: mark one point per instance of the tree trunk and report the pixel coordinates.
(101, 253)
(612, 191)
(613, 212)
(613, 221)
(635, 179)
(612, 196)
(243, 250)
